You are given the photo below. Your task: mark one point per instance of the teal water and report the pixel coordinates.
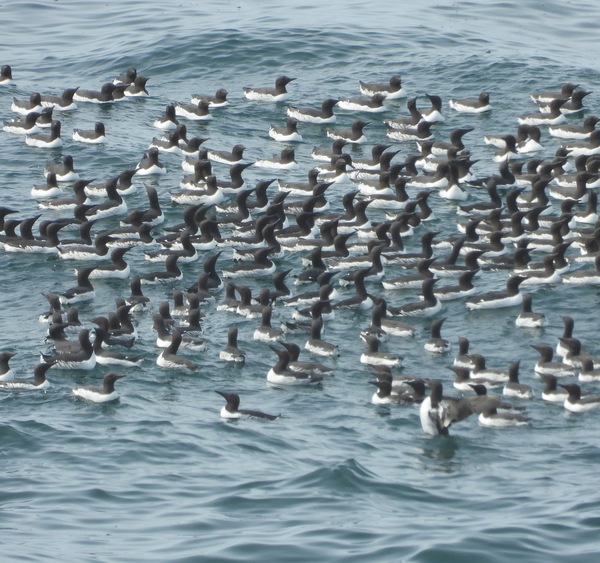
(158, 476)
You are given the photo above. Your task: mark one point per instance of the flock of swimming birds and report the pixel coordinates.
(546, 207)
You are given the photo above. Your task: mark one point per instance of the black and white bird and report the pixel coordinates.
(232, 411)
(103, 394)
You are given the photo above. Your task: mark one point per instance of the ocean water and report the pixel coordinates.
(157, 476)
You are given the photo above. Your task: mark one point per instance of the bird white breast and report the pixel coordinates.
(276, 165)
(456, 105)
(277, 379)
(356, 106)
(380, 359)
(555, 368)
(493, 375)
(229, 274)
(112, 273)
(454, 192)
(78, 97)
(462, 385)
(117, 209)
(20, 130)
(294, 137)
(519, 393)
(589, 151)
(402, 284)
(42, 193)
(107, 360)
(589, 219)
(70, 176)
(557, 396)
(529, 146)
(426, 311)
(428, 417)
(140, 94)
(192, 116)
(497, 303)
(532, 120)
(309, 118)
(495, 141)
(94, 396)
(30, 249)
(366, 189)
(401, 93)
(333, 135)
(498, 421)
(527, 321)
(162, 256)
(380, 203)
(265, 334)
(89, 140)
(434, 116)
(377, 400)
(322, 349)
(505, 156)
(86, 364)
(232, 356)
(196, 99)
(437, 348)
(205, 199)
(7, 376)
(425, 182)
(43, 144)
(164, 363)
(565, 134)
(262, 97)
(71, 254)
(154, 169)
(22, 110)
(589, 377)
(215, 157)
(78, 298)
(580, 407)
(30, 386)
(534, 280)
(165, 125)
(229, 415)
(592, 278)
(70, 107)
(449, 296)
(166, 147)
(397, 329)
